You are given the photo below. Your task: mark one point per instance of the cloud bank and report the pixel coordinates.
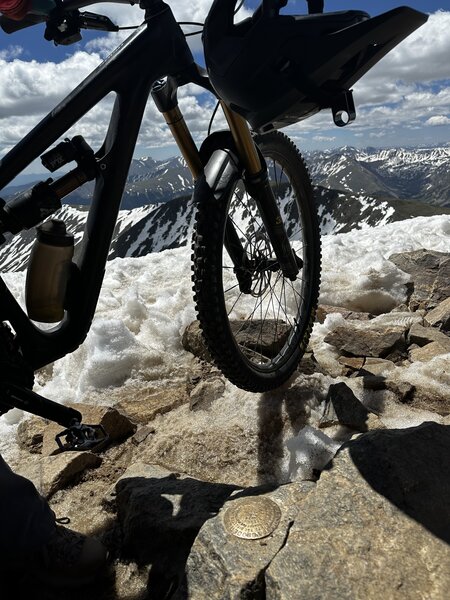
(407, 90)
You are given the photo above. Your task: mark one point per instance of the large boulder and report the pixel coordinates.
(267, 336)
(160, 514)
(222, 565)
(376, 525)
(430, 273)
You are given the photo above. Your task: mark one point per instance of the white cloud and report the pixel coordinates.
(194, 10)
(407, 89)
(32, 88)
(438, 120)
(11, 52)
(324, 138)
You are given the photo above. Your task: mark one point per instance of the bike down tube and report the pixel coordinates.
(126, 73)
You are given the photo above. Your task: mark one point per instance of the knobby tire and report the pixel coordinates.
(257, 338)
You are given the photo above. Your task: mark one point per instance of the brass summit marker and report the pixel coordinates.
(252, 518)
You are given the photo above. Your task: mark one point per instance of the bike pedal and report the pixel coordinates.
(80, 437)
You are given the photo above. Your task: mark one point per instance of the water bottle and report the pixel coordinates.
(48, 272)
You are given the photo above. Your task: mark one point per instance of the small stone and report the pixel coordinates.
(421, 336)
(205, 393)
(374, 422)
(142, 434)
(403, 390)
(30, 434)
(61, 470)
(397, 356)
(342, 407)
(355, 363)
(192, 341)
(309, 365)
(400, 308)
(428, 352)
(440, 316)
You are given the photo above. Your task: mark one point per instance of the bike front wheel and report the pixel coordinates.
(256, 322)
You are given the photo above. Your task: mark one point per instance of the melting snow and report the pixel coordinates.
(146, 303)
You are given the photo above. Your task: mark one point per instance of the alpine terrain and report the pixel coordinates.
(355, 189)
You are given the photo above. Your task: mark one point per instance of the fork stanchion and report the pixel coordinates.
(164, 94)
(243, 140)
(184, 140)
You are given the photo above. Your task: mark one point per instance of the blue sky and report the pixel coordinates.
(405, 100)
(33, 41)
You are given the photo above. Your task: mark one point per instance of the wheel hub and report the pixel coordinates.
(260, 263)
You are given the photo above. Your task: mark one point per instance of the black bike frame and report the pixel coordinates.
(156, 50)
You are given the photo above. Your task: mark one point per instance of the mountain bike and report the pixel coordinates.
(256, 240)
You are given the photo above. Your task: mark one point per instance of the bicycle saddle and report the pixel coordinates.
(322, 24)
(277, 69)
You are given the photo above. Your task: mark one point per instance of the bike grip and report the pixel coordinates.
(272, 7)
(11, 26)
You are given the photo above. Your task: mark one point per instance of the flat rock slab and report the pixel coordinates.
(426, 335)
(62, 470)
(428, 352)
(143, 407)
(376, 341)
(160, 514)
(378, 366)
(376, 525)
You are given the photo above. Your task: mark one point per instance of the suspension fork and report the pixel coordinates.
(164, 94)
(257, 184)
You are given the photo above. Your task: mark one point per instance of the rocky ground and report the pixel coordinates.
(352, 456)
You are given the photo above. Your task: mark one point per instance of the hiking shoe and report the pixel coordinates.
(69, 559)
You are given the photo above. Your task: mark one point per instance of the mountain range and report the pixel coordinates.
(354, 189)
(409, 174)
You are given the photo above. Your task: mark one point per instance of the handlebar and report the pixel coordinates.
(62, 8)
(268, 8)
